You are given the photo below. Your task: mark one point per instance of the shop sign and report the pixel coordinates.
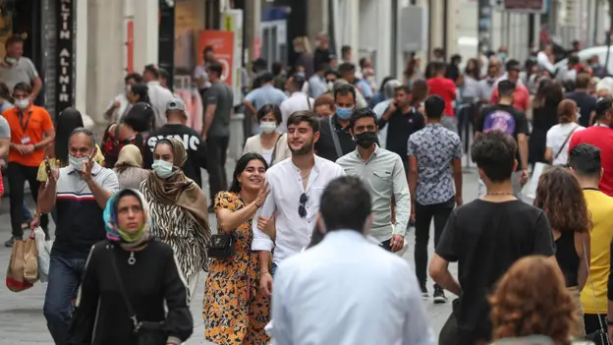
(65, 59)
(222, 43)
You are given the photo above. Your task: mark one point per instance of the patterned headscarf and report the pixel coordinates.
(113, 232)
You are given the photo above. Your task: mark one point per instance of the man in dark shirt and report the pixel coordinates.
(176, 128)
(323, 54)
(485, 237)
(504, 117)
(403, 120)
(335, 140)
(585, 102)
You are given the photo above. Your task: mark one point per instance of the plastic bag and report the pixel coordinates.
(44, 252)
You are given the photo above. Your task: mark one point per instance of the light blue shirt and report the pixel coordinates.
(347, 291)
(365, 88)
(266, 94)
(317, 86)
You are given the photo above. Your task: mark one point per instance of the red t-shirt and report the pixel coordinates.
(521, 97)
(446, 89)
(602, 138)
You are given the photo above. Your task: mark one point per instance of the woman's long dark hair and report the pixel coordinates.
(241, 165)
(69, 120)
(141, 90)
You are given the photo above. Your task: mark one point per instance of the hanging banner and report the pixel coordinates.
(526, 6)
(64, 89)
(222, 43)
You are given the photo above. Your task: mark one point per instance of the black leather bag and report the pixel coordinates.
(221, 247)
(146, 332)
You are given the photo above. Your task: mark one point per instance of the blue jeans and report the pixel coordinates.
(27, 215)
(64, 279)
(274, 269)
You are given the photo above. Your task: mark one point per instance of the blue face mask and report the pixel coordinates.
(344, 113)
(162, 168)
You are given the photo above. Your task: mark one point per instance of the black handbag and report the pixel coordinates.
(221, 247)
(145, 332)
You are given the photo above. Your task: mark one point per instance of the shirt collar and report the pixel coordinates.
(600, 125)
(298, 94)
(153, 83)
(344, 235)
(96, 169)
(375, 153)
(435, 124)
(318, 161)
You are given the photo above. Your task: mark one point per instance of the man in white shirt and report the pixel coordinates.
(158, 95)
(295, 186)
(297, 101)
(345, 290)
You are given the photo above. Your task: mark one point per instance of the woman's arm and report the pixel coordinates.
(228, 220)
(179, 320)
(84, 318)
(582, 246)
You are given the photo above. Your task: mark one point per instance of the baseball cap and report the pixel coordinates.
(175, 104)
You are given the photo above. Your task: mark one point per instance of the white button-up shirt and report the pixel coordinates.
(159, 97)
(283, 201)
(346, 291)
(297, 101)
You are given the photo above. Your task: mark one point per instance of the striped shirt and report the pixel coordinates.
(384, 174)
(79, 217)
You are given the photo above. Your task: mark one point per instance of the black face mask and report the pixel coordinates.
(366, 139)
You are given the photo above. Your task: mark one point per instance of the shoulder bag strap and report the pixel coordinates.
(337, 144)
(124, 294)
(309, 102)
(603, 329)
(565, 141)
(274, 150)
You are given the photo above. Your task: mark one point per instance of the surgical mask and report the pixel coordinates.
(366, 139)
(11, 60)
(163, 168)
(502, 56)
(22, 103)
(268, 127)
(330, 85)
(77, 163)
(344, 113)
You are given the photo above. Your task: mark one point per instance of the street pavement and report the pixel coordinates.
(21, 314)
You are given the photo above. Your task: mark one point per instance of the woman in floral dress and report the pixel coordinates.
(234, 311)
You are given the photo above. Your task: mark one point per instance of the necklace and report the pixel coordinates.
(131, 259)
(306, 175)
(499, 193)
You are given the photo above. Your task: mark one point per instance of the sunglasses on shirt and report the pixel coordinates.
(302, 209)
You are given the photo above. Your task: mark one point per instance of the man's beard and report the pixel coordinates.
(305, 149)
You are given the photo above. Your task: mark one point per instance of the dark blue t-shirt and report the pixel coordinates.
(586, 104)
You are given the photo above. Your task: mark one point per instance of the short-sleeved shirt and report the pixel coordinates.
(79, 217)
(504, 118)
(221, 95)
(521, 97)
(485, 239)
(5, 129)
(586, 104)
(434, 147)
(602, 138)
(446, 89)
(266, 94)
(27, 128)
(23, 71)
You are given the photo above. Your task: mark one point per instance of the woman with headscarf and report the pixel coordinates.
(128, 167)
(130, 281)
(178, 209)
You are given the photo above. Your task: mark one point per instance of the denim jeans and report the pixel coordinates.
(27, 215)
(64, 278)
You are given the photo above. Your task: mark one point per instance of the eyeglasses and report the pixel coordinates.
(302, 209)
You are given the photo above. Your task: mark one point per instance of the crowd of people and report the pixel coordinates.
(312, 225)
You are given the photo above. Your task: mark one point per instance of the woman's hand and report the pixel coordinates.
(267, 225)
(262, 194)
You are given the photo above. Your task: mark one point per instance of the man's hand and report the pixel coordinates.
(116, 104)
(266, 284)
(396, 243)
(86, 171)
(35, 221)
(523, 179)
(203, 136)
(267, 225)
(458, 200)
(28, 149)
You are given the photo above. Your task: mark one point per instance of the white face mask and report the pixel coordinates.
(268, 127)
(22, 103)
(11, 60)
(77, 163)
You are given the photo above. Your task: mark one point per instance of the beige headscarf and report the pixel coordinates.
(129, 156)
(179, 189)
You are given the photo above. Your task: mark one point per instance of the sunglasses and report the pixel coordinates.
(302, 209)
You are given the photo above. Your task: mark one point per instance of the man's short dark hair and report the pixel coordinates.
(345, 50)
(346, 67)
(24, 87)
(12, 40)
(151, 68)
(506, 88)
(404, 88)
(603, 106)
(361, 113)
(333, 72)
(344, 90)
(307, 116)
(438, 66)
(345, 204)
(435, 106)
(83, 130)
(583, 81)
(494, 152)
(164, 74)
(215, 66)
(298, 80)
(573, 59)
(134, 76)
(513, 65)
(585, 160)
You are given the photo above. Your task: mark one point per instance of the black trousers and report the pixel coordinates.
(17, 176)
(217, 148)
(423, 217)
(592, 327)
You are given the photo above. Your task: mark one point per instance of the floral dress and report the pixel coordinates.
(234, 311)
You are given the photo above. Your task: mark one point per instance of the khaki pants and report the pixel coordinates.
(576, 296)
